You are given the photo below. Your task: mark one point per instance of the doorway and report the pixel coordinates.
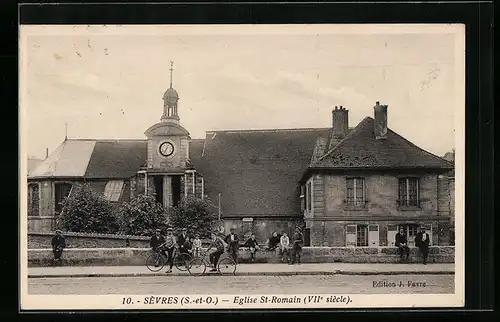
(158, 183)
(62, 191)
(176, 190)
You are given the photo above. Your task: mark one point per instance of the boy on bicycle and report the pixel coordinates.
(220, 245)
(156, 242)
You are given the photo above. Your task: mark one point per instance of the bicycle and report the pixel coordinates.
(156, 261)
(225, 266)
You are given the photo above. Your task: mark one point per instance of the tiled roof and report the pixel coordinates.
(116, 158)
(360, 149)
(33, 163)
(70, 159)
(257, 172)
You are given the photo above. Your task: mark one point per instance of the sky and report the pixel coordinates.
(107, 82)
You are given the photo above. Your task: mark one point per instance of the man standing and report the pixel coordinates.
(170, 247)
(58, 244)
(422, 242)
(402, 244)
(183, 242)
(298, 241)
(233, 244)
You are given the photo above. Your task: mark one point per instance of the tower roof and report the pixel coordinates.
(171, 93)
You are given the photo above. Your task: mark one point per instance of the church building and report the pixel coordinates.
(345, 186)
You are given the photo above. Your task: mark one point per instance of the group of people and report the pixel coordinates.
(168, 244)
(421, 241)
(288, 252)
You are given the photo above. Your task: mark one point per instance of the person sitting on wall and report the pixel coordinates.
(274, 241)
(233, 244)
(156, 242)
(402, 244)
(422, 242)
(284, 247)
(253, 246)
(58, 245)
(298, 241)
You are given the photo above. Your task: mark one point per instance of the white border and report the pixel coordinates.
(70, 302)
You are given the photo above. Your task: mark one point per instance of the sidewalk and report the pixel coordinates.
(251, 270)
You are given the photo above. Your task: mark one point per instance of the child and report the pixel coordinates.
(196, 246)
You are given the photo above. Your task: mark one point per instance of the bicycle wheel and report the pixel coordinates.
(197, 266)
(155, 262)
(182, 261)
(227, 266)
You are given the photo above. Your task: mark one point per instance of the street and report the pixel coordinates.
(349, 284)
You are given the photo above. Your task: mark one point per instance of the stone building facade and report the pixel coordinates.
(343, 186)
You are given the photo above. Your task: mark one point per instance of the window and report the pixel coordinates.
(361, 235)
(411, 231)
(33, 200)
(355, 192)
(302, 198)
(62, 191)
(113, 190)
(409, 194)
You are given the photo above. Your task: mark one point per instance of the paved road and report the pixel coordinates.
(236, 284)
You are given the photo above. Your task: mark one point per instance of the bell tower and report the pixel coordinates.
(168, 173)
(170, 101)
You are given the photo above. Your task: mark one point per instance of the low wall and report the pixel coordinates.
(137, 256)
(37, 240)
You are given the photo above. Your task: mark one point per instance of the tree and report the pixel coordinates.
(86, 210)
(197, 215)
(141, 216)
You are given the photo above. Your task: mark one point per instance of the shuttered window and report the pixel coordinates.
(33, 200)
(355, 192)
(361, 235)
(409, 194)
(350, 236)
(113, 190)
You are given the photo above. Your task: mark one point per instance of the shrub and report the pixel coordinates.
(86, 210)
(197, 215)
(141, 216)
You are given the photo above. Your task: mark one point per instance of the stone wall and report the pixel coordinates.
(137, 256)
(261, 227)
(83, 240)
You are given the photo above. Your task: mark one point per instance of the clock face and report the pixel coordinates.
(166, 149)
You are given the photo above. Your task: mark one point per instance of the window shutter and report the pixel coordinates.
(373, 236)
(360, 184)
(350, 237)
(350, 190)
(392, 230)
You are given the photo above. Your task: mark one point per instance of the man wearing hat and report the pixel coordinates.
(298, 241)
(422, 242)
(183, 242)
(156, 240)
(233, 243)
(58, 244)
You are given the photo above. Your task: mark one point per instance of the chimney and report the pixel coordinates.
(340, 121)
(46, 153)
(380, 116)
